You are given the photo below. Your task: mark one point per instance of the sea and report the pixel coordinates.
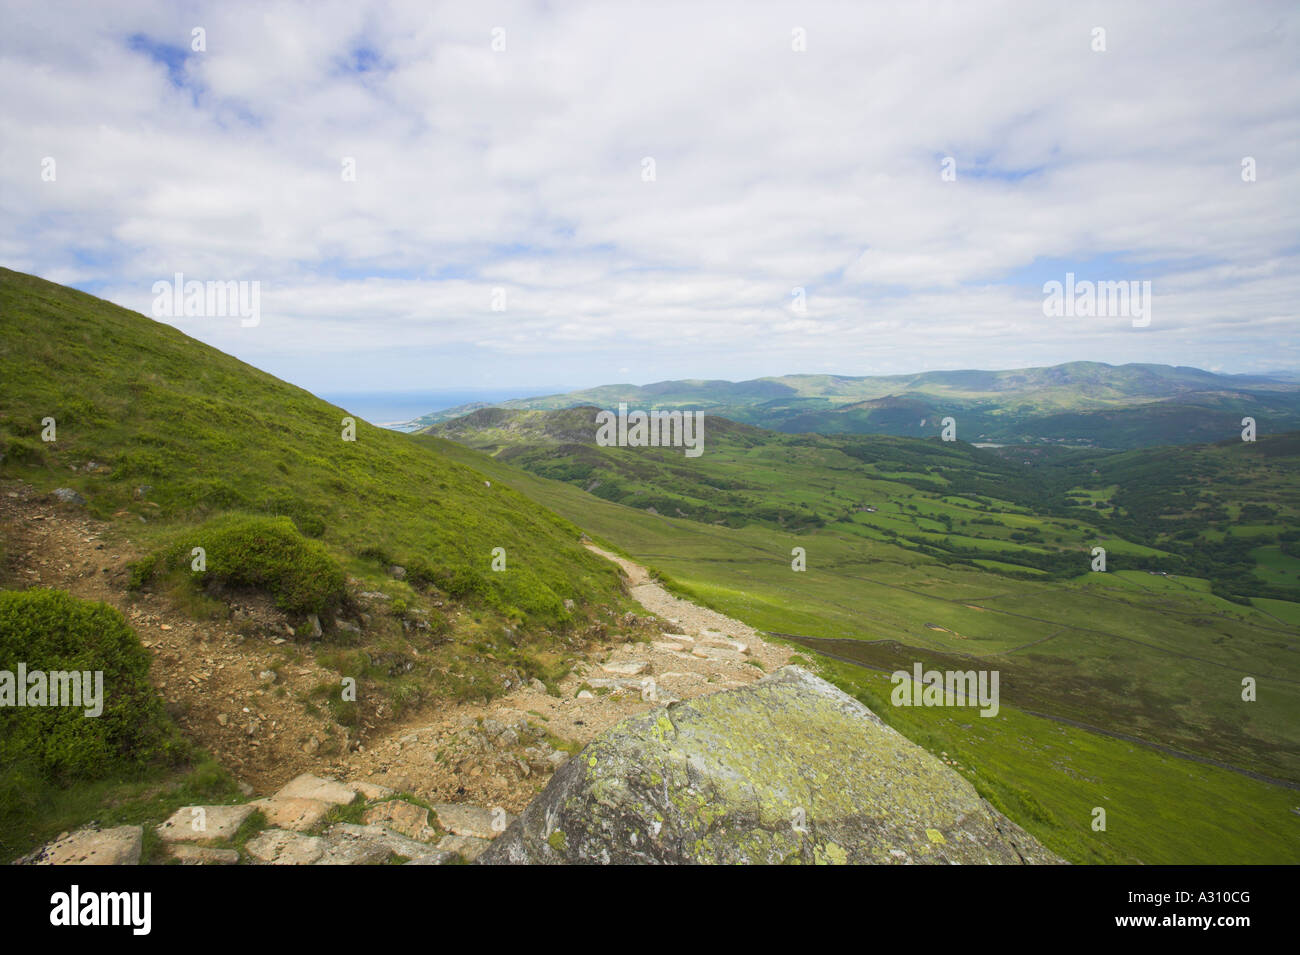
(397, 409)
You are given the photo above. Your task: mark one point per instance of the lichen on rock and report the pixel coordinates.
(787, 770)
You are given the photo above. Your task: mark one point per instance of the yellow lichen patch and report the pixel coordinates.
(936, 836)
(830, 854)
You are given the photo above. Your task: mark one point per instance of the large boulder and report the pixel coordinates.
(786, 770)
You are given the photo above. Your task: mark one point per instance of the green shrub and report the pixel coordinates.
(261, 553)
(48, 630)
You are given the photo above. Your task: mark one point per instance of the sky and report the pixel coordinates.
(531, 197)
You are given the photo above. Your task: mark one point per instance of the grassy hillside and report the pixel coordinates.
(179, 433)
(1081, 403)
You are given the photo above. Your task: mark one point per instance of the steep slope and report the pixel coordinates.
(154, 423)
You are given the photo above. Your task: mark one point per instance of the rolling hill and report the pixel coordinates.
(1086, 404)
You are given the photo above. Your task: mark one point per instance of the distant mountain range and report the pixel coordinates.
(1081, 403)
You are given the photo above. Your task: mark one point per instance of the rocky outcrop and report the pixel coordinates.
(786, 770)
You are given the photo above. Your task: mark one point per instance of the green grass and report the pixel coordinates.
(198, 434)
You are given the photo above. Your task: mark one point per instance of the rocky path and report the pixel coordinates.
(504, 752)
(234, 686)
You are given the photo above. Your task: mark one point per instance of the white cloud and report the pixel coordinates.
(774, 169)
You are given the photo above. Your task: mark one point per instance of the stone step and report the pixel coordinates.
(401, 817)
(719, 640)
(308, 786)
(630, 668)
(350, 844)
(90, 846)
(187, 854)
(292, 812)
(201, 823)
(721, 654)
(284, 847)
(465, 820)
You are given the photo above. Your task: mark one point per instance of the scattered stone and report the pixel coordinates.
(68, 496)
(397, 571)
